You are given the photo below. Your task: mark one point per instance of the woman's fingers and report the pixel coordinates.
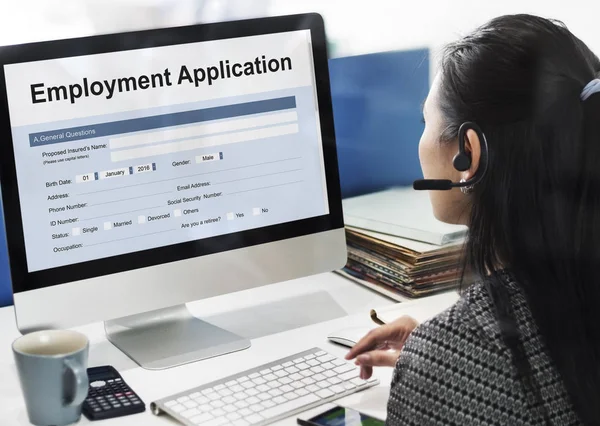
(378, 359)
(392, 335)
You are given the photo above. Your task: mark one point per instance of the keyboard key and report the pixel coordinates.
(281, 373)
(297, 385)
(291, 370)
(252, 392)
(183, 399)
(242, 379)
(240, 396)
(230, 383)
(308, 381)
(225, 392)
(248, 385)
(324, 393)
(349, 386)
(321, 353)
(358, 381)
(229, 400)
(302, 366)
(286, 407)
(268, 404)
(213, 396)
(236, 388)
(295, 377)
(216, 422)
(275, 392)
(233, 416)
(241, 404)
(307, 357)
(291, 395)
(207, 391)
(313, 388)
(328, 366)
(240, 422)
(301, 391)
(287, 364)
(259, 381)
(253, 400)
(334, 380)
(274, 384)
(285, 380)
(195, 395)
(263, 388)
(244, 412)
(169, 404)
(218, 412)
(338, 362)
(298, 360)
(205, 408)
(188, 414)
(279, 400)
(337, 389)
(217, 404)
(257, 408)
(254, 418)
(230, 409)
(286, 388)
(177, 408)
(312, 362)
(263, 396)
(253, 375)
(319, 377)
(306, 373)
(190, 404)
(324, 384)
(349, 375)
(201, 419)
(317, 369)
(325, 358)
(270, 377)
(344, 368)
(276, 368)
(265, 372)
(329, 373)
(220, 387)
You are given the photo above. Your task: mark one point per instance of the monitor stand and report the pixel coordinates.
(170, 337)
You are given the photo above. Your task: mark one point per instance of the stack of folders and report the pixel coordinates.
(397, 247)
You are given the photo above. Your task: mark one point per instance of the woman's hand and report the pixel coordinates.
(382, 345)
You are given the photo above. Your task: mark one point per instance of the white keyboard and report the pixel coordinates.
(267, 393)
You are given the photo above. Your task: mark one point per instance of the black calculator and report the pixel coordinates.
(109, 396)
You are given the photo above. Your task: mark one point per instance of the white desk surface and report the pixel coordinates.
(340, 302)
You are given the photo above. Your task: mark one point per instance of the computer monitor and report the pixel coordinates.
(144, 170)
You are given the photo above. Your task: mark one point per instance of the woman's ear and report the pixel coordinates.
(473, 148)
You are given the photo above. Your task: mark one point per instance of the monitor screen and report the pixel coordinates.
(121, 152)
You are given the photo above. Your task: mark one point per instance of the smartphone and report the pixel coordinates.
(341, 416)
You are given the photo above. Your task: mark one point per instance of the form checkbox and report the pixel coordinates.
(177, 213)
(141, 219)
(107, 226)
(256, 211)
(76, 231)
(229, 216)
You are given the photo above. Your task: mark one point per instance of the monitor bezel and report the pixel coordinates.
(23, 280)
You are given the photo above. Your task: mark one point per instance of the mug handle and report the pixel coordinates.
(81, 382)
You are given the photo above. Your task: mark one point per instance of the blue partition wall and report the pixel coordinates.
(377, 110)
(5, 288)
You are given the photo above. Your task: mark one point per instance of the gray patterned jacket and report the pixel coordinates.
(456, 370)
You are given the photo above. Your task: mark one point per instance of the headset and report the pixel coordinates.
(461, 162)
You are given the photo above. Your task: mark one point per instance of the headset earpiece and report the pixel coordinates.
(462, 160)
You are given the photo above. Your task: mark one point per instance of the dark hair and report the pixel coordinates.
(537, 210)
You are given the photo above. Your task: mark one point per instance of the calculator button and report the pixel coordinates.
(118, 380)
(126, 404)
(111, 381)
(97, 410)
(117, 405)
(98, 384)
(137, 402)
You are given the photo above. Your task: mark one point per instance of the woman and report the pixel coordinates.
(522, 346)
